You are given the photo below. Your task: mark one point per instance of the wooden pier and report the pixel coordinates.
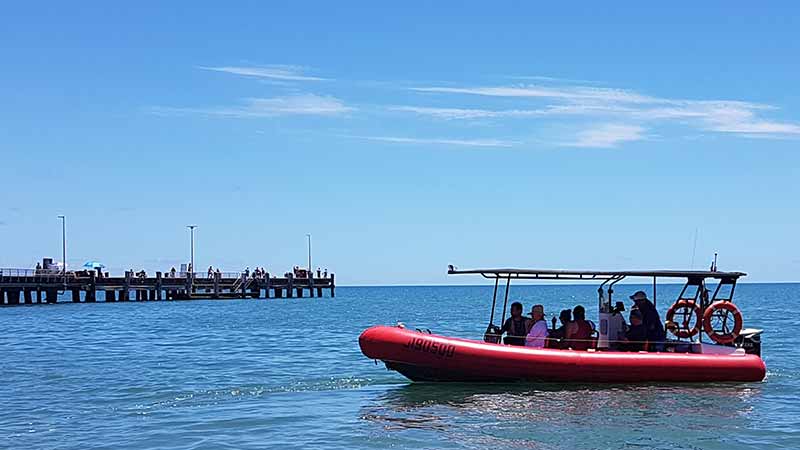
(28, 287)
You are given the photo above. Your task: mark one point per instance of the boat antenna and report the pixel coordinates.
(694, 247)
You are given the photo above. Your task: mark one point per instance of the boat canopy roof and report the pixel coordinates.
(557, 274)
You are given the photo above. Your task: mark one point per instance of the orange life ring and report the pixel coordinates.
(685, 332)
(722, 338)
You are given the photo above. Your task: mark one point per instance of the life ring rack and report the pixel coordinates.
(690, 308)
(720, 308)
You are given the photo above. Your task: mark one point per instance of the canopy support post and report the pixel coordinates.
(654, 292)
(505, 302)
(617, 279)
(494, 301)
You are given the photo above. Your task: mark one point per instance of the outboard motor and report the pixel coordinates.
(750, 340)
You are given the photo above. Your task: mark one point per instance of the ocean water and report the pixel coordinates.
(288, 374)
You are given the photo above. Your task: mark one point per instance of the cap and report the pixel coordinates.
(639, 295)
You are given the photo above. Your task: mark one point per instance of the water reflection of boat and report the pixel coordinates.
(465, 395)
(568, 416)
(517, 400)
(733, 354)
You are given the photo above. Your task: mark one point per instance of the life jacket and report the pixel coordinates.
(519, 327)
(580, 340)
(516, 330)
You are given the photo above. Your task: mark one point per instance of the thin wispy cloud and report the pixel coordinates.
(463, 113)
(298, 104)
(440, 141)
(623, 115)
(272, 72)
(541, 78)
(608, 135)
(618, 105)
(539, 91)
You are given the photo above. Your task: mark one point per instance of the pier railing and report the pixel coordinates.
(38, 274)
(29, 286)
(203, 275)
(14, 272)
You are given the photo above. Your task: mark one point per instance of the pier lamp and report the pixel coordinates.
(64, 248)
(191, 260)
(64, 243)
(310, 267)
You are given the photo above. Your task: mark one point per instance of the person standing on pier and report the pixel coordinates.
(210, 272)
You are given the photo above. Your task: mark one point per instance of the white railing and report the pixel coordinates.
(14, 272)
(38, 274)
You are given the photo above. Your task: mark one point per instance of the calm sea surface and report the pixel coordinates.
(288, 373)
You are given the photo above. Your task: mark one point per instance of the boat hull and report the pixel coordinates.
(430, 357)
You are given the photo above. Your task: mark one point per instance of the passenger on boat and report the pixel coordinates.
(616, 326)
(636, 336)
(537, 336)
(650, 319)
(516, 326)
(558, 335)
(579, 331)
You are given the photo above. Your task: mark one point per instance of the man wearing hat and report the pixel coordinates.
(650, 319)
(537, 336)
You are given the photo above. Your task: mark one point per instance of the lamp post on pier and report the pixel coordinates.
(191, 260)
(310, 267)
(64, 249)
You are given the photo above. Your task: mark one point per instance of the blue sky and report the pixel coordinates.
(403, 137)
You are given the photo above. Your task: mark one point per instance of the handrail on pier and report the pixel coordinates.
(14, 272)
(39, 274)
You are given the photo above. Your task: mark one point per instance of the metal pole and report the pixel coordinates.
(191, 260)
(505, 301)
(310, 268)
(494, 300)
(64, 249)
(655, 298)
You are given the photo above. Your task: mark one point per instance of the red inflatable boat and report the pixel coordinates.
(733, 356)
(428, 357)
